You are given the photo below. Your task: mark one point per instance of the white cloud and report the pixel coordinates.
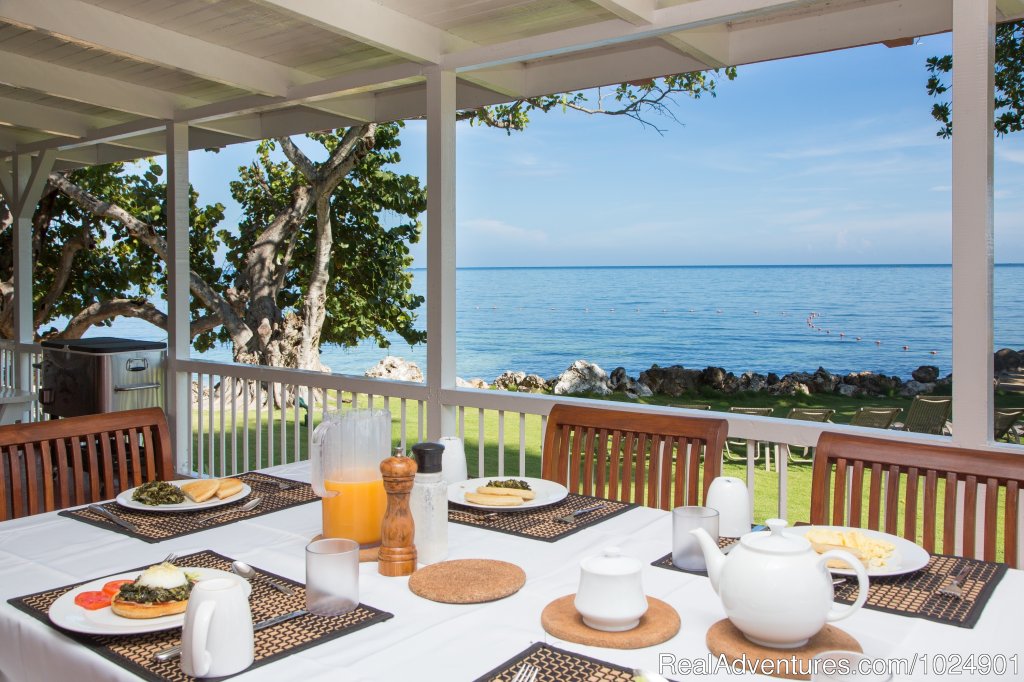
(491, 227)
(1011, 155)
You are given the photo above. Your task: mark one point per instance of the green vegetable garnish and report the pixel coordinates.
(158, 492)
(510, 483)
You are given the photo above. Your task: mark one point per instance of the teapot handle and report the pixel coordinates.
(840, 611)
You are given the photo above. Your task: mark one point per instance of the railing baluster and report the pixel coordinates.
(190, 450)
(501, 442)
(234, 426)
(480, 442)
(420, 414)
(522, 444)
(223, 436)
(199, 411)
(462, 423)
(402, 422)
(211, 451)
(259, 425)
(782, 467)
(295, 426)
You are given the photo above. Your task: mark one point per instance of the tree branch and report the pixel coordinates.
(298, 159)
(60, 277)
(101, 311)
(147, 235)
(343, 152)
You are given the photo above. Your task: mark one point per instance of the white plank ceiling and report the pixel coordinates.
(97, 80)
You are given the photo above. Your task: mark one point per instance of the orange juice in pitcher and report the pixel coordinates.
(348, 448)
(355, 512)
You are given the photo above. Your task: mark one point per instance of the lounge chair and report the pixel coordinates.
(1004, 425)
(696, 406)
(807, 414)
(875, 417)
(740, 444)
(927, 415)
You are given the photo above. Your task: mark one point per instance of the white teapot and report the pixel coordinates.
(610, 596)
(775, 588)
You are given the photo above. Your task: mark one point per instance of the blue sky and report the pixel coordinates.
(831, 158)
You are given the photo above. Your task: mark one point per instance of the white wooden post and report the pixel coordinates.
(178, 392)
(973, 56)
(440, 249)
(28, 182)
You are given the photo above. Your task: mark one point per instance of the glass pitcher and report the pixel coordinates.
(347, 451)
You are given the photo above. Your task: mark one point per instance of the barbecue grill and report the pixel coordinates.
(101, 374)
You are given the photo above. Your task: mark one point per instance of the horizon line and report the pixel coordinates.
(724, 265)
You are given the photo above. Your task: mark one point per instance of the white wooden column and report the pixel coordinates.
(973, 56)
(178, 403)
(27, 183)
(440, 250)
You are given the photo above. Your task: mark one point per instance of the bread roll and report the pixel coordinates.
(228, 487)
(201, 490)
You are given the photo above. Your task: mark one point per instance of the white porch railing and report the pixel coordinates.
(247, 417)
(12, 354)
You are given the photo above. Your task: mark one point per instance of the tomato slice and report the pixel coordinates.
(114, 586)
(93, 599)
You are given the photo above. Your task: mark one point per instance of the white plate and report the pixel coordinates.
(548, 492)
(906, 558)
(125, 500)
(65, 613)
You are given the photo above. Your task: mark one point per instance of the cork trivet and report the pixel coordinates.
(561, 619)
(467, 581)
(725, 639)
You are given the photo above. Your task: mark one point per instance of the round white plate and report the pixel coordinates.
(906, 558)
(125, 500)
(548, 492)
(65, 613)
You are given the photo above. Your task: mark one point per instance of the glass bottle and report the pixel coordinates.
(429, 504)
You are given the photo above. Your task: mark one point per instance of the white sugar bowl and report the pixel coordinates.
(610, 596)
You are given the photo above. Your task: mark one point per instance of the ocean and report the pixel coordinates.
(881, 318)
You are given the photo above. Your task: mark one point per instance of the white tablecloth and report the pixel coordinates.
(427, 640)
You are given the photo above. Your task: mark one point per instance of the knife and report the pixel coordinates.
(171, 653)
(106, 513)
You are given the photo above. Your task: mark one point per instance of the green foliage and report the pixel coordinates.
(370, 287)
(1009, 83)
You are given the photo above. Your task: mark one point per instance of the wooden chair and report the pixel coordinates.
(60, 463)
(650, 459)
(961, 488)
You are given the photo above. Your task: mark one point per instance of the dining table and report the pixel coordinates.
(428, 640)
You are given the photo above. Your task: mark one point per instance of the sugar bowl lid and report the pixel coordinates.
(611, 562)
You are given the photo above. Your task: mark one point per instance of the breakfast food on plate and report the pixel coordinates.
(494, 500)
(871, 552)
(510, 487)
(161, 590)
(228, 487)
(158, 492)
(201, 490)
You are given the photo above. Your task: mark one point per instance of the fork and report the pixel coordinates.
(526, 673)
(954, 588)
(170, 558)
(571, 516)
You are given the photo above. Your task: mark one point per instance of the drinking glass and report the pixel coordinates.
(686, 551)
(848, 666)
(332, 576)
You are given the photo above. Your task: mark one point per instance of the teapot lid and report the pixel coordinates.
(775, 541)
(611, 562)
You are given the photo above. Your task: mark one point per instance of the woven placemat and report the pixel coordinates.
(659, 624)
(558, 665)
(467, 581)
(916, 594)
(135, 652)
(160, 526)
(540, 524)
(666, 561)
(725, 639)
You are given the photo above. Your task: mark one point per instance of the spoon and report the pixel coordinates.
(248, 506)
(246, 571)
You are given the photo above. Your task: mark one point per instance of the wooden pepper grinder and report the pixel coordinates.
(397, 551)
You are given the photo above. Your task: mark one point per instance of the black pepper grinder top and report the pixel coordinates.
(428, 457)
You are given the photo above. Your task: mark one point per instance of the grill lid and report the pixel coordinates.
(103, 344)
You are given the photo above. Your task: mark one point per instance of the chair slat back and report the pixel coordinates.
(960, 493)
(60, 463)
(875, 417)
(655, 460)
(1003, 422)
(811, 414)
(928, 415)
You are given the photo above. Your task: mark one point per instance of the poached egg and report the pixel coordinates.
(165, 575)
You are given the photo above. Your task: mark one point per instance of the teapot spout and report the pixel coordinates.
(713, 556)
